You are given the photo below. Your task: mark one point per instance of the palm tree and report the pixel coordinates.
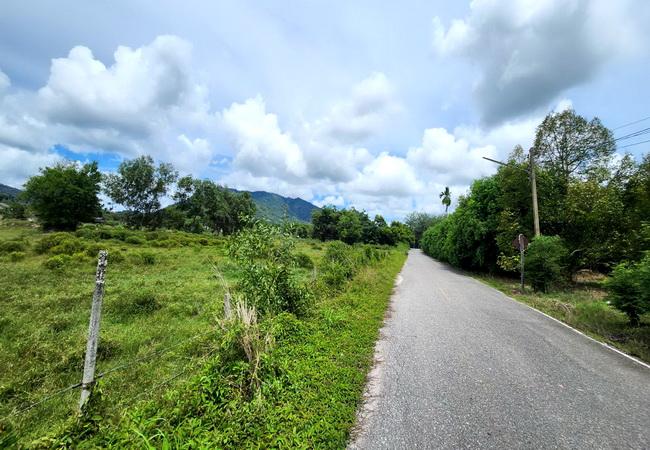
(446, 198)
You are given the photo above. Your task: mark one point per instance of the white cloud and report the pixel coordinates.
(138, 93)
(4, 82)
(530, 51)
(386, 175)
(450, 159)
(262, 148)
(371, 103)
(17, 164)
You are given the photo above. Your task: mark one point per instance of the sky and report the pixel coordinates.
(366, 104)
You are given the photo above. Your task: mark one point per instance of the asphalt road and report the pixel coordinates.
(461, 365)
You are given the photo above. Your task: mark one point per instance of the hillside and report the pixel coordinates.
(275, 207)
(8, 191)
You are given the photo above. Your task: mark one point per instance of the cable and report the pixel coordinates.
(631, 123)
(634, 134)
(103, 374)
(636, 143)
(43, 400)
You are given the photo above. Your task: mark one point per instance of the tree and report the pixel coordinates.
(418, 222)
(65, 195)
(569, 145)
(138, 185)
(209, 206)
(325, 221)
(446, 198)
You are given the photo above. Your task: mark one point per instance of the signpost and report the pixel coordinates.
(521, 243)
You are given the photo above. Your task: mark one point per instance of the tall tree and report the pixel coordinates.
(446, 198)
(209, 206)
(569, 145)
(138, 185)
(65, 195)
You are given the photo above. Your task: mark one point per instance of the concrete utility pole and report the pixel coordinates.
(533, 184)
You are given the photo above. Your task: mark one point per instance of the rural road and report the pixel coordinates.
(463, 366)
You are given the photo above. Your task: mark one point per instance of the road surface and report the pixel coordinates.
(461, 365)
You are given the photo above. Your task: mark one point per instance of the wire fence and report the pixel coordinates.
(154, 355)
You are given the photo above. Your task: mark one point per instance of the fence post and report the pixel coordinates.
(93, 330)
(227, 306)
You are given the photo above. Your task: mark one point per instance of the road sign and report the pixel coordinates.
(519, 242)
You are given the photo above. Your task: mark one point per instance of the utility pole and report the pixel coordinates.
(533, 184)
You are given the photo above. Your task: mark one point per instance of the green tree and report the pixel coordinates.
(446, 198)
(325, 222)
(139, 185)
(209, 206)
(570, 145)
(418, 222)
(65, 195)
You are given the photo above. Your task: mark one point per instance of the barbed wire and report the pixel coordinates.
(117, 368)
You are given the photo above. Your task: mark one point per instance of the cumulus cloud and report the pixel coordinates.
(450, 159)
(4, 82)
(529, 51)
(133, 95)
(262, 148)
(371, 103)
(17, 163)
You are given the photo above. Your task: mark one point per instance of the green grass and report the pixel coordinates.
(583, 306)
(160, 292)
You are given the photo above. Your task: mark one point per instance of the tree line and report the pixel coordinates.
(594, 210)
(67, 194)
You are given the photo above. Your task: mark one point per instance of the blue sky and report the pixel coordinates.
(373, 104)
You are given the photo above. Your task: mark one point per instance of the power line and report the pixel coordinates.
(636, 143)
(633, 134)
(631, 123)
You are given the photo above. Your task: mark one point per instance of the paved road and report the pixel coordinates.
(463, 366)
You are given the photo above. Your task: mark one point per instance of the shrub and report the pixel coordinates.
(303, 260)
(339, 264)
(67, 246)
(545, 263)
(629, 289)
(48, 241)
(145, 258)
(16, 256)
(57, 262)
(93, 250)
(12, 246)
(135, 240)
(266, 262)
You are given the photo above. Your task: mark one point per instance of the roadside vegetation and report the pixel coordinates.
(290, 361)
(217, 330)
(594, 213)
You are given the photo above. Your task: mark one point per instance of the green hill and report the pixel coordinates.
(7, 192)
(275, 208)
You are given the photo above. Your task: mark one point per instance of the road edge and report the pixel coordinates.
(604, 344)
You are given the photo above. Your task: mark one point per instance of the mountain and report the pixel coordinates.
(275, 208)
(8, 191)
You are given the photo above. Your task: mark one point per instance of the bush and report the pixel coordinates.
(629, 289)
(304, 261)
(145, 258)
(135, 240)
(67, 246)
(339, 265)
(545, 262)
(12, 246)
(48, 241)
(57, 262)
(16, 256)
(266, 262)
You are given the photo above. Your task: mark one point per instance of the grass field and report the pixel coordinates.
(162, 305)
(583, 306)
